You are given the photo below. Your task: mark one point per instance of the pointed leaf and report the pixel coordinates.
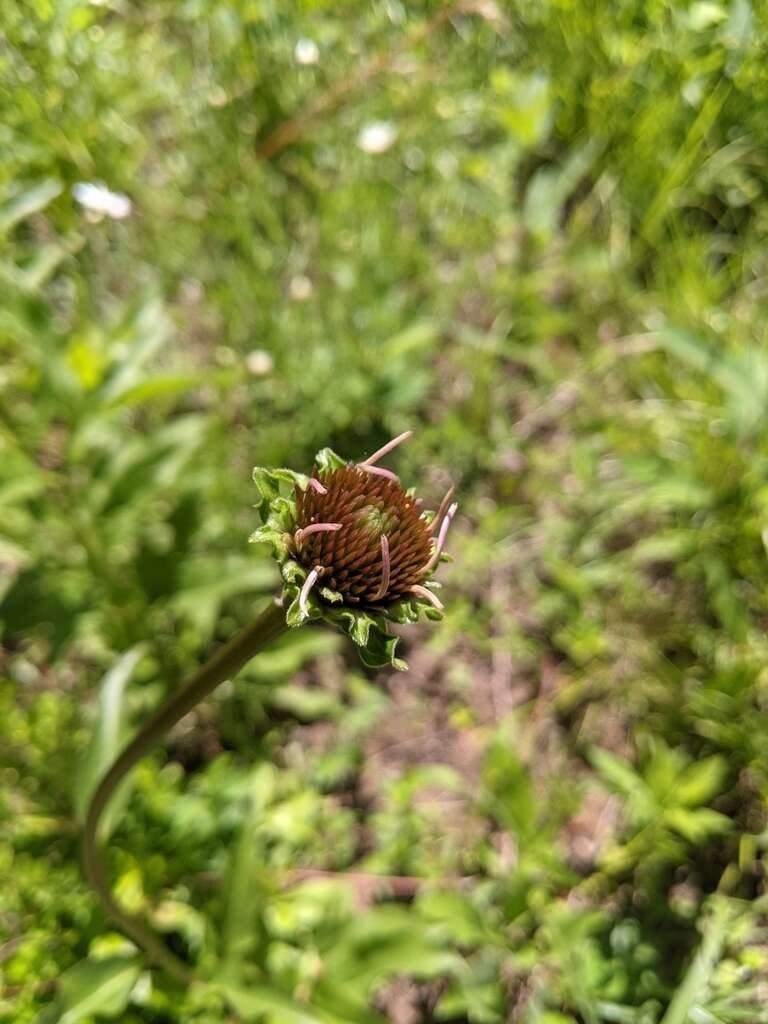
(700, 781)
(264, 1003)
(28, 202)
(107, 734)
(97, 988)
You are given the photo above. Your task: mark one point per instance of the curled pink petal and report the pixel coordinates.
(447, 518)
(388, 447)
(309, 582)
(384, 585)
(305, 531)
(315, 484)
(378, 471)
(441, 511)
(427, 595)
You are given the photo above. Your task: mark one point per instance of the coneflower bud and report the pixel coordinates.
(380, 546)
(354, 546)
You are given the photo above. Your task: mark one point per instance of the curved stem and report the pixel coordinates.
(224, 664)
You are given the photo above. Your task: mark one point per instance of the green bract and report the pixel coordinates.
(367, 626)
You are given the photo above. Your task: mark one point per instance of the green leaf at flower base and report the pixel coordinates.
(404, 612)
(294, 616)
(358, 625)
(326, 459)
(284, 512)
(268, 480)
(293, 572)
(380, 651)
(268, 534)
(368, 631)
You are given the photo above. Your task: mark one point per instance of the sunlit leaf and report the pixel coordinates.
(27, 202)
(97, 988)
(107, 735)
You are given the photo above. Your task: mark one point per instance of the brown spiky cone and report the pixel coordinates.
(370, 542)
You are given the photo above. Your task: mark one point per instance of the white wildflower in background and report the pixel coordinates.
(259, 362)
(306, 51)
(99, 201)
(377, 137)
(300, 288)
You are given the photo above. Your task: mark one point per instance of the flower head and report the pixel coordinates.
(354, 547)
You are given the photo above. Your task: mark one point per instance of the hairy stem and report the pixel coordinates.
(224, 664)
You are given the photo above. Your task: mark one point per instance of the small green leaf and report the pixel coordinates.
(621, 777)
(107, 735)
(143, 333)
(293, 572)
(507, 782)
(244, 890)
(265, 535)
(457, 914)
(97, 988)
(695, 826)
(306, 704)
(45, 262)
(268, 481)
(379, 651)
(618, 773)
(33, 200)
(359, 627)
(700, 781)
(163, 387)
(384, 942)
(294, 615)
(696, 984)
(264, 1003)
(327, 459)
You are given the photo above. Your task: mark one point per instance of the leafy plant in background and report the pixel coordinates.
(555, 265)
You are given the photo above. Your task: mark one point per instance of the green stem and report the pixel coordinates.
(224, 664)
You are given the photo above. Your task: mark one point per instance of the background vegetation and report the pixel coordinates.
(535, 232)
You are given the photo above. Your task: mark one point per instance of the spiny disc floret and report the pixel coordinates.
(362, 535)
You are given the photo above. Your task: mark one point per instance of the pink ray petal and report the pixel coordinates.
(447, 518)
(388, 447)
(305, 531)
(441, 511)
(428, 595)
(315, 484)
(384, 585)
(378, 471)
(309, 582)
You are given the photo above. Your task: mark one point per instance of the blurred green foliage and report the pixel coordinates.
(534, 232)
